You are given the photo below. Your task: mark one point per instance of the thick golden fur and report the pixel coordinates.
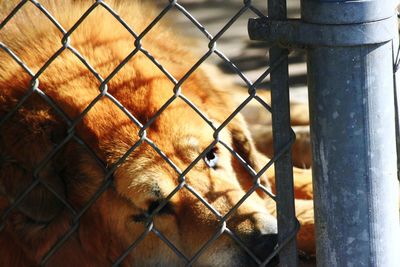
(115, 219)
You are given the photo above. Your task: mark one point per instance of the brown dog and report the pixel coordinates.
(102, 211)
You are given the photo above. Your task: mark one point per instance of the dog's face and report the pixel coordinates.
(140, 202)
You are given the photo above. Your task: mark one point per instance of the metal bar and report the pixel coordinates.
(282, 135)
(396, 84)
(354, 145)
(296, 32)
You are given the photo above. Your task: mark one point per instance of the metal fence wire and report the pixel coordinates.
(35, 90)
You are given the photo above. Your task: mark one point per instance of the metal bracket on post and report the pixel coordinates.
(297, 33)
(352, 118)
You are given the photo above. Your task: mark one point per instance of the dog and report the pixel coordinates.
(101, 166)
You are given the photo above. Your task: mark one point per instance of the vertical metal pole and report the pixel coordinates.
(353, 138)
(396, 77)
(282, 136)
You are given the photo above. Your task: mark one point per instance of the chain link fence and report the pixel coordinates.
(27, 188)
(19, 196)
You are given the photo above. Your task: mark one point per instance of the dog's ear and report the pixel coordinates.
(26, 143)
(242, 141)
(243, 144)
(26, 140)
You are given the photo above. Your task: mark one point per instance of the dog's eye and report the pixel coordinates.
(211, 158)
(168, 209)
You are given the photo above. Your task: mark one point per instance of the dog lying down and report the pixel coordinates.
(41, 146)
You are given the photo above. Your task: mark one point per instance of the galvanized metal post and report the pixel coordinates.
(282, 136)
(353, 137)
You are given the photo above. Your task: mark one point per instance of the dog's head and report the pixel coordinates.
(178, 179)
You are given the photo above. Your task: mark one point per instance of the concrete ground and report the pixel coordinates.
(250, 56)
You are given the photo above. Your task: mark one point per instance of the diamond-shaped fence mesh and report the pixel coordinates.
(32, 176)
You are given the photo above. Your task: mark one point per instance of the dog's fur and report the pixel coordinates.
(118, 217)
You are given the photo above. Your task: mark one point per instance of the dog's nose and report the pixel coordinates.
(264, 238)
(265, 245)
